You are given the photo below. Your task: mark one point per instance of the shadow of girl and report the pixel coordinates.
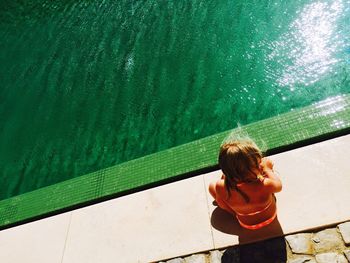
(228, 224)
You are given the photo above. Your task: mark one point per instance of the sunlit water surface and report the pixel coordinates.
(89, 84)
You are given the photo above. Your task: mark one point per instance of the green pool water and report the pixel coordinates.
(88, 84)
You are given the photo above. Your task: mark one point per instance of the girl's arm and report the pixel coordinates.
(272, 182)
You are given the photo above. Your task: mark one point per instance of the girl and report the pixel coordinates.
(247, 186)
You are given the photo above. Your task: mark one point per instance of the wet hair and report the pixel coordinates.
(237, 159)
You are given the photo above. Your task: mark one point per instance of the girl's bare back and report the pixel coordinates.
(259, 189)
(260, 207)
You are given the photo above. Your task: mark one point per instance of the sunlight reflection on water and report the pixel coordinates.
(313, 42)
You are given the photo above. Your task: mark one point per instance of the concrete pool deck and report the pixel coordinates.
(179, 219)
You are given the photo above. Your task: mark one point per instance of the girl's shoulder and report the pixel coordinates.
(221, 188)
(253, 188)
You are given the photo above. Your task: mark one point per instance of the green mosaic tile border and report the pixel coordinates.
(317, 122)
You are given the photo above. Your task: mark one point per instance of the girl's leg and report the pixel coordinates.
(218, 199)
(223, 205)
(212, 190)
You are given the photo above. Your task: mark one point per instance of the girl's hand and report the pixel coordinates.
(266, 163)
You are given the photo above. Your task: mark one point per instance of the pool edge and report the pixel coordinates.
(320, 121)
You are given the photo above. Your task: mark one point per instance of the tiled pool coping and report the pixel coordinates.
(314, 123)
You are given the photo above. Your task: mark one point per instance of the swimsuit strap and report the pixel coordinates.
(260, 225)
(257, 212)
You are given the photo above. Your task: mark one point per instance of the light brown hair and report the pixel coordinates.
(237, 159)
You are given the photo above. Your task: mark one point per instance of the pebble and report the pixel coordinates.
(316, 240)
(329, 240)
(345, 232)
(215, 256)
(300, 243)
(199, 258)
(330, 258)
(302, 259)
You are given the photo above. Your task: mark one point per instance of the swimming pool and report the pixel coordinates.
(89, 85)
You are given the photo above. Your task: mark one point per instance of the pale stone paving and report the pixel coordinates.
(347, 254)
(330, 245)
(302, 259)
(345, 232)
(300, 243)
(330, 257)
(215, 256)
(199, 258)
(327, 240)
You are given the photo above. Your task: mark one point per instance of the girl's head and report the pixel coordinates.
(239, 161)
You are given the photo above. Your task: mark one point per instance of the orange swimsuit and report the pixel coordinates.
(260, 225)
